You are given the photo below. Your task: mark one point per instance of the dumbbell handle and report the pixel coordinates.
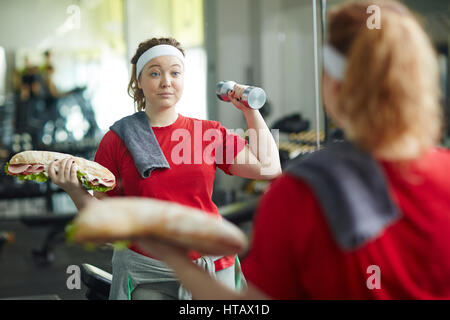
(252, 97)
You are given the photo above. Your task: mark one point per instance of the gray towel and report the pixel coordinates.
(351, 189)
(137, 134)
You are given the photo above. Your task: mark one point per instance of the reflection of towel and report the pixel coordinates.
(351, 189)
(137, 134)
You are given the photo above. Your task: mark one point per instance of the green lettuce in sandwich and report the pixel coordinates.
(33, 166)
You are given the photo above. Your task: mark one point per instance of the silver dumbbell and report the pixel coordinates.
(253, 97)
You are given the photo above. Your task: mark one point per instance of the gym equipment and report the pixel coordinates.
(291, 123)
(5, 237)
(97, 280)
(253, 97)
(56, 224)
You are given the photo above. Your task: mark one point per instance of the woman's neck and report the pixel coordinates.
(162, 117)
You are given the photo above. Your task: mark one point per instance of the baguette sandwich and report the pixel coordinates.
(33, 165)
(119, 219)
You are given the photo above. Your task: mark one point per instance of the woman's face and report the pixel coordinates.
(162, 81)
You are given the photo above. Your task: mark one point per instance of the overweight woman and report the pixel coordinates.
(368, 218)
(159, 153)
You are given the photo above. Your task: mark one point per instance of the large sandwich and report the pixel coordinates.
(33, 165)
(118, 219)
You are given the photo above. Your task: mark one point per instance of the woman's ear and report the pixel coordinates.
(139, 83)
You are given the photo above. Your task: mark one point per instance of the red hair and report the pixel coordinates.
(389, 97)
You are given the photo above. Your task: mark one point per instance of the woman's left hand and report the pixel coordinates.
(236, 96)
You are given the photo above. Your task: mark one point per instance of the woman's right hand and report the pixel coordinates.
(63, 173)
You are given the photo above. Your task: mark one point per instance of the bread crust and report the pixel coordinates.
(131, 218)
(47, 157)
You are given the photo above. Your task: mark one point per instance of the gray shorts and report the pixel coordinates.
(169, 290)
(137, 277)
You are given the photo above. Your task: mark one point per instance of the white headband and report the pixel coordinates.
(334, 62)
(157, 51)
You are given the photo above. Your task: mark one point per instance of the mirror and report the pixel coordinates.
(65, 65)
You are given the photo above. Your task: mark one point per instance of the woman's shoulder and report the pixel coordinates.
(206, 124)
(111, 139)
(436, 159)
(287, 185)
(441, 152)
(108, 147)
(110, 135)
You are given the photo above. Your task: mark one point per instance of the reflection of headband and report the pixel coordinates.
(334, 62)
(157, 51)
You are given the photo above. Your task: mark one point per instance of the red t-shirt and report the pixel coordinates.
(294, 255)
(194, 149)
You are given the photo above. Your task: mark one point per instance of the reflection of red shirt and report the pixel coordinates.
(190, 179)
(294, 255)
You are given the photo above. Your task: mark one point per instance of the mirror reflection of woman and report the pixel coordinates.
(381, 87)
(156, 85)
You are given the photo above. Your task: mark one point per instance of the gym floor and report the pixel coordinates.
(24, 277)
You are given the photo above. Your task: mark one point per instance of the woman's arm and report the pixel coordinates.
(261, 159)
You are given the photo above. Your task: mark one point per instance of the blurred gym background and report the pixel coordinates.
(64, 70)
